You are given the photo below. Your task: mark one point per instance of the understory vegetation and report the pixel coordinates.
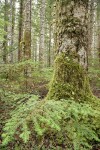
(31, 121)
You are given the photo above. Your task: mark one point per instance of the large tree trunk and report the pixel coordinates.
(70, 78)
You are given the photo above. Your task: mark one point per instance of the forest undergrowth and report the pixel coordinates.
(28, 121)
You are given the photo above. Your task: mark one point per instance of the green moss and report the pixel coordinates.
(27, 44)
(27, 36)
(69, 81)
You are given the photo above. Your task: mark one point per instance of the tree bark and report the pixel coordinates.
(27, 31)
(49, 49)
(42, 33)
(98, 14)
(12, 29)
(5, 43)
(70, 77)
(20, 29)
(26, 43)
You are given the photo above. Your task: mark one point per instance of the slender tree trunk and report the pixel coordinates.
(70, 78)
(95, 39)
(93, 35)
(99, 45)
(98, 13)
(90, 25)
(20, 30)
(5, 43)
(49, 50)
(36, 50)
(27, 42)
(27, 31)
(12, 28)
(42, 33)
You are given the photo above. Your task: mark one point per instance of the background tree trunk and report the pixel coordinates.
(27, 31)
(98, 17)
(42, 33)
(5, 43)
(12, 29)
(21, 13)
(27, 41)
(49, 49)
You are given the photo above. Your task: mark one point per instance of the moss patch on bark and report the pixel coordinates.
(69, 81)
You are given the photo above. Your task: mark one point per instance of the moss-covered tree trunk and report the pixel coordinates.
(70, 78)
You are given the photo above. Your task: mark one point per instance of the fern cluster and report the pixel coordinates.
(62, 123)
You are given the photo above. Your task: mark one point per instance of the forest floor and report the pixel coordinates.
(42, 91)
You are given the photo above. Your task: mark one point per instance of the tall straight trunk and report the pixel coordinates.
(5, 43)
(90, 24)
(99, 45)
(98, 17)
(27, 31)
(95, 39)
(12, 28)
(93, 33)
(42, 33)
(36, 50)
(70, 78)
(20, 29)
(90, 30)
(26, 51)
(49, 49)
